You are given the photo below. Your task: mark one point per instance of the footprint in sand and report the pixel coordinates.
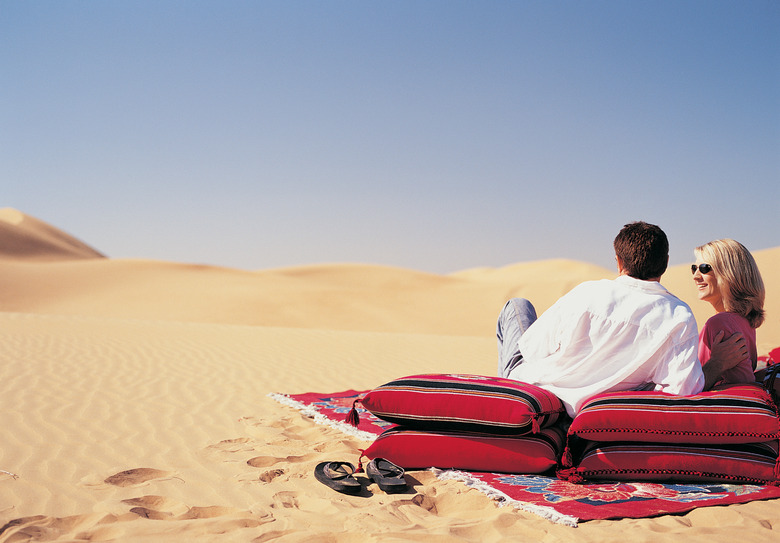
(268, 476)
(425, 502)
(46, 528)
(233, 445)
(27, 526)
(154, 507)
(145, 512)
(285, 500)
(231, 450)
(266, 461)
(263, 461)
(158, 502)
(212, 511)
(136, 476)
(160, 508)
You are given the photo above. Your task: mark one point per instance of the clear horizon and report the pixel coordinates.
(436, 136)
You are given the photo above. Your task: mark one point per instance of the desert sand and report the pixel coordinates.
(135, 396)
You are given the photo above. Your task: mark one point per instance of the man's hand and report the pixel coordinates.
(724, 355)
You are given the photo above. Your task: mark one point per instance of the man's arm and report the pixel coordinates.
(725, 354)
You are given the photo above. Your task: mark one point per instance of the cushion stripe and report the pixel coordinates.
(468, 387)
(415, 449)
(471, 403)
(738, 414)
(743, 463)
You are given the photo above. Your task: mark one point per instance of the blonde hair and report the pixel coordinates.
(739, 280)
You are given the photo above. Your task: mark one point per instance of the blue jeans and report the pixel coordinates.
(518, 314)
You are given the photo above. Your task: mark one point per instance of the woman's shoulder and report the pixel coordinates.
(726, 321)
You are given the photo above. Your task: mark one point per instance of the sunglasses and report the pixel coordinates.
(703, 268)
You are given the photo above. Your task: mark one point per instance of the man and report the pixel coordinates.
(628, 333)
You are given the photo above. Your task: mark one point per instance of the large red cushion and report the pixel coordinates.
(739, 414)
(464, 403)
(629, 461)
(413, 449)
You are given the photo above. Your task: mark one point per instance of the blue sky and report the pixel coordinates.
(432, 135)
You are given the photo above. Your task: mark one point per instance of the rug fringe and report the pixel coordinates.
(469, 480)
(319, 418)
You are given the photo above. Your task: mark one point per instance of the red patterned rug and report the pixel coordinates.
(545, 495)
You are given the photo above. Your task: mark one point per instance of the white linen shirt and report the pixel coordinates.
(611, 335)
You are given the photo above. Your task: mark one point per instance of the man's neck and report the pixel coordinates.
(653, 279)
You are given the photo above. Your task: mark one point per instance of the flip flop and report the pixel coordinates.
(387, 475)
(338, 476)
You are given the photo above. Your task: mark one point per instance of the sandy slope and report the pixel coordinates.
(134, 397)
(25, 237)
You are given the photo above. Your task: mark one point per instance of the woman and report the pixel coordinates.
(726, 276)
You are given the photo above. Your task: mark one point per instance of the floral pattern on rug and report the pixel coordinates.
(557, 491)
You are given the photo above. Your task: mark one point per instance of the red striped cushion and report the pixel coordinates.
(464, 403)
(626, 461)
(739, 414)
(413, 449)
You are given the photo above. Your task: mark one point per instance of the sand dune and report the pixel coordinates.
(25, 237)
(134, 396)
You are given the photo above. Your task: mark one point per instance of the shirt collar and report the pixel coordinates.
(633, 282)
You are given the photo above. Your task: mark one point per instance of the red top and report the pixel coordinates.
(730, 323)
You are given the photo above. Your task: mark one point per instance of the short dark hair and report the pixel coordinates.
(643, 249)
